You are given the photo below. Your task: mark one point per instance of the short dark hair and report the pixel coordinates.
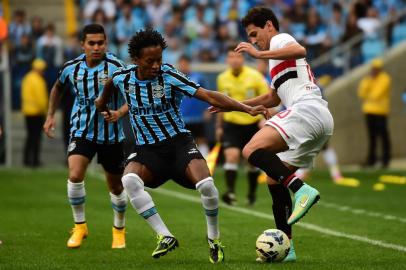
(93, 28)
(258, 16)
(144, 39)
(231, 46)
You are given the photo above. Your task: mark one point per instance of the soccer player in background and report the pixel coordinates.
(90, 133)
(235, 129)
(292, 138)
(194, 110)
(164, 148)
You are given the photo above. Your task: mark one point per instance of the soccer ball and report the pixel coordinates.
(272, 245)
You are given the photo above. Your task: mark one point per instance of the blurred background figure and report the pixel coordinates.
(194, 110)
(374, 92)
(235, 129)
(34, 108)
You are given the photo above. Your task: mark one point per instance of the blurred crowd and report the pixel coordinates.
(199, 29)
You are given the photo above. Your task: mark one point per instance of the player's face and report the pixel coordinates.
(94, 46)
(260, 37)
(149, 62)
(235, 60)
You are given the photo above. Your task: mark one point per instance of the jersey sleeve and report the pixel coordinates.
(182, 83)
(63, 74)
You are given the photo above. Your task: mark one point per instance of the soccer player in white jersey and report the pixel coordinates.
(292, 138)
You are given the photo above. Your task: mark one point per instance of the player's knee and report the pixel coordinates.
(247, 151)
(132, 182)
(207, 188)
(75, 177)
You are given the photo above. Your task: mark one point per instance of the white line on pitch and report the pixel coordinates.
(344, 208)
(308, 226)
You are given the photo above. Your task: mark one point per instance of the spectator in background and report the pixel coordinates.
(352, 30)
(371, 23)
(18, 28)
(34, 108)
(193, 109)
(37, 27)
(315, 32)
(336, 25)
(49, 48)
(99, 17)
(157, 11)
(374, 91)
(107, 6)
(126, 26)
(21, 59)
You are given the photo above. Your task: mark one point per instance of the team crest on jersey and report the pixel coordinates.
(71, 146)
(103, 78)
(78, 78)
(131, 89)
(157, 91)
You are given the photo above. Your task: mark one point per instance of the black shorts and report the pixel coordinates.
(238, 135)
(168, 159)
(110, 156)
(197, 129)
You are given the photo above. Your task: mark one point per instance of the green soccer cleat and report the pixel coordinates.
(165, 244)
(305, 198)
(291, 257)
(216, 254)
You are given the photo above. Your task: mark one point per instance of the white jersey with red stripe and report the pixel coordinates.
(292, 79)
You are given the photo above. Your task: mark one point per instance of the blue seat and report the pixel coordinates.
(399, 33)
(371, 48)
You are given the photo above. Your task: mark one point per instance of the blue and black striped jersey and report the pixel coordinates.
(154, 104)
(86, 85)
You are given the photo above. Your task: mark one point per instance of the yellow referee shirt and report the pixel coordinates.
(248, 84)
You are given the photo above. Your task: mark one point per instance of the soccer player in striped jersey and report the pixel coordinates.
(292, 138)
(90, 133)
(164, 148)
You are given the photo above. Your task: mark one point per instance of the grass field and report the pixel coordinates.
(351, 228)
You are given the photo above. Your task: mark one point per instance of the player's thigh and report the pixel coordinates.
(232, 155)
(148, 165)
(80, 153)
(266, 138)
(141, 170)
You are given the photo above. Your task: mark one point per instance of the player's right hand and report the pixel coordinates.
(49, 126)
(260, 109)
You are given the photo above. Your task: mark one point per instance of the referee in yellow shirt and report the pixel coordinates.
(374, 91)
(235, 129)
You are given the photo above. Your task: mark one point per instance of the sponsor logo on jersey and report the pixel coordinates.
(103, 78)
(157, 91)
(131, 89)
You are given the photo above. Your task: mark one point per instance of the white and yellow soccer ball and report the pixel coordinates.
(272, 246)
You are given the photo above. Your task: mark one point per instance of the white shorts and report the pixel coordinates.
(305, 127)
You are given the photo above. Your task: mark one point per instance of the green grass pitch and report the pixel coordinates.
(351, 228)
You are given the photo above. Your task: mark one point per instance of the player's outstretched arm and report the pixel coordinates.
(103, 99)
(226, 103)
(268, 100)
(54, 98)
(292, 50)
(115, 115)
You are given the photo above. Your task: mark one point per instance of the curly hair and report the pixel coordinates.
(143, 39)
(258, 16)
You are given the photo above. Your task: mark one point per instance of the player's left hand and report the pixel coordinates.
(111, 116)
(260, 109)
(248, 48)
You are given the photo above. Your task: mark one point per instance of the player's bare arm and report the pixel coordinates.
(115, 115)
(292, 50)
(54, 98)
(268, 100)
(225, 103)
